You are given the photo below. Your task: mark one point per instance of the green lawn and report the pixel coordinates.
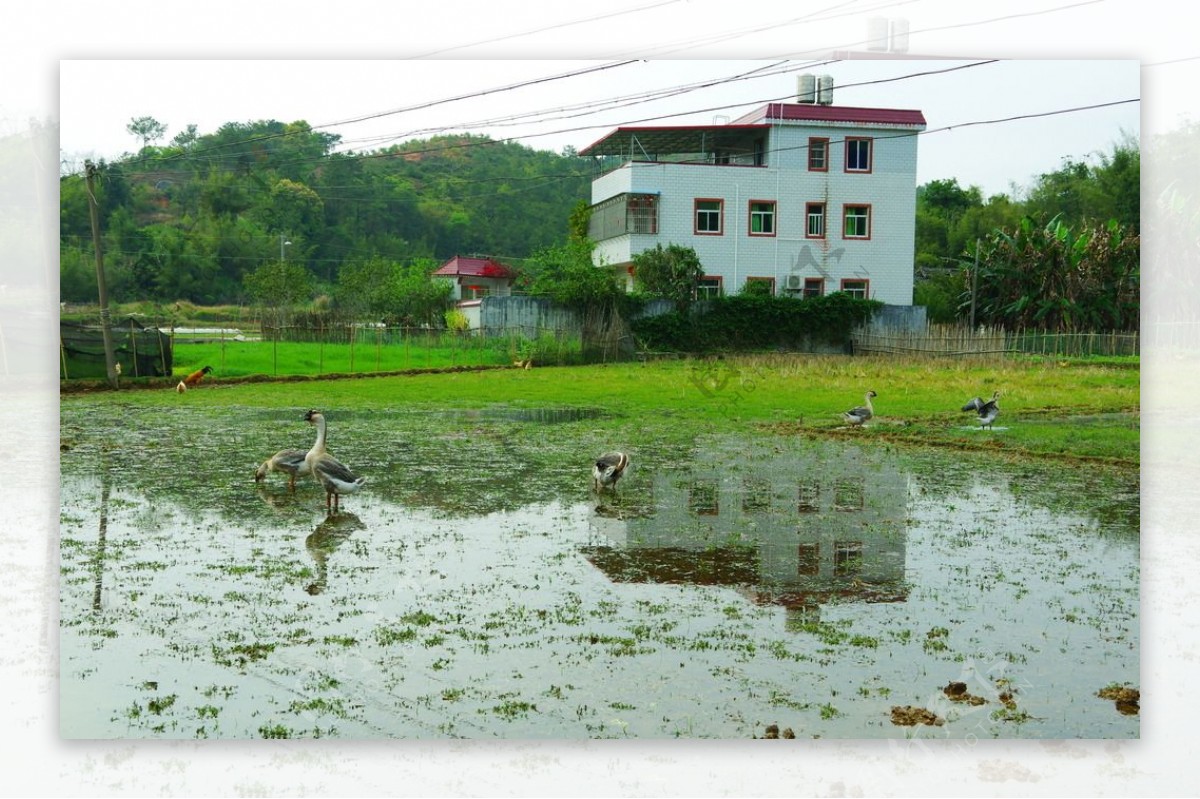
(1067, 409)
(372, 351)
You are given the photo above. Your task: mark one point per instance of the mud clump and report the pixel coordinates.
(1127, 700)
(909, 716)
(772, 732)
(957, 692)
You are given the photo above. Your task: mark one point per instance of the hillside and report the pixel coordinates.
(187, 221)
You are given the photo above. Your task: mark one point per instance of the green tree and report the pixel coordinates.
(279, 287)
(1057, 277)
(146, 129)
(672, 272)
(567, 275)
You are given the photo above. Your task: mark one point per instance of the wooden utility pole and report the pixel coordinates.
(974, 276)
(110, 357)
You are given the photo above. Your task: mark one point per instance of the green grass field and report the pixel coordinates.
(1061, 409)
(373, 351)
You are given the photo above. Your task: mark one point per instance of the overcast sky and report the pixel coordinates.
(573, 103)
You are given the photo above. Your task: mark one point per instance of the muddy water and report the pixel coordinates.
(477, 589)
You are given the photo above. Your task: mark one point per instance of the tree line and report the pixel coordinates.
(271, 214)
(191, 219)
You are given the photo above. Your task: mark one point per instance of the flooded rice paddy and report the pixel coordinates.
(735, 586)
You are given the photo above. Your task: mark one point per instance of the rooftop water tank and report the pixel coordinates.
(807, 89)
(825, 90)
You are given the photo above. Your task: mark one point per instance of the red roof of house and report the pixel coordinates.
(474, 267)
(741, 133)
(835, 113)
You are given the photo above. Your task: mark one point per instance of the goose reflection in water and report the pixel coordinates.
(324, 541)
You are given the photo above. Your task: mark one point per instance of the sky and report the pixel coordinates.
(973, 107)
(439, 50)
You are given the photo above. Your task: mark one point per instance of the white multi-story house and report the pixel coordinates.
(809, 197)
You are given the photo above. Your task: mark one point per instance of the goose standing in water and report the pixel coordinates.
(331, 473)
(289, 461)
(855, 417)
(607, 470)
(989, 410)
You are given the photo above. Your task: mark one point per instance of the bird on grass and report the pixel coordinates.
(289, 461)
(332, 474)
(856, 417)
(193, 379)
(988, 410)
(607, 470)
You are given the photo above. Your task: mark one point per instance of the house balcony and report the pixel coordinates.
(625, 214)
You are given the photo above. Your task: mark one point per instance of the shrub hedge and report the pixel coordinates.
(746, 322)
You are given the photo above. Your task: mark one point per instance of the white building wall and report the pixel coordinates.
(886, 259)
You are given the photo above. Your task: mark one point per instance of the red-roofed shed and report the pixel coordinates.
(476, 277)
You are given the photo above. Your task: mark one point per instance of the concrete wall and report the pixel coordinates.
(503, 315)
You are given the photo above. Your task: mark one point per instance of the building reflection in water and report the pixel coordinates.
(782, 528)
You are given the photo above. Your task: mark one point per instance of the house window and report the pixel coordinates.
(809, 498)
(815, 226)
(847, 557)
(709, 216)
(813, 287)
(857, 287)
(808, 559)
(703, 498)
(762, 218)
(641, 214)
(818, 155)
(848, 495)
(759, 286)
(756, 494)
(477, 292)
(857, 222)
(858, 155)
(708, 287)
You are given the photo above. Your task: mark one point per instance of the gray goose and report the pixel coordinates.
(607, 470)
(289, 461)
(856, 417)
(987, 410)
(332, 474)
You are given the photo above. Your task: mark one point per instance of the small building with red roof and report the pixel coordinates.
(476, 277)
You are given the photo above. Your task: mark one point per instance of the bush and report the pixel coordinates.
(748, 322)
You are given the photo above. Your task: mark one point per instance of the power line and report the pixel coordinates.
(556, 26)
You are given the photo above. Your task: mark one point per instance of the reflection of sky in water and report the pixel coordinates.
(813, 586)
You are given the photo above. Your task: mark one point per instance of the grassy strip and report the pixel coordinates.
(373, 353)
(1071, 410)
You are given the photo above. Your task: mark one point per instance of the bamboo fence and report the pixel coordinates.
(951, 341)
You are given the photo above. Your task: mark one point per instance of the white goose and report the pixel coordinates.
(607, 470)
(855, 417)
(289, 461)
(331, 473)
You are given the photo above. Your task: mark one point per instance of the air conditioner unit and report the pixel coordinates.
(794, 283)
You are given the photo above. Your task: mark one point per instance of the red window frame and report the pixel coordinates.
(852, 140)
(870, 215)
(709, 280)
(750, 217)
(824, 220)
(823, 141)
(866, 285)
(720, 216)
(819, 282)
